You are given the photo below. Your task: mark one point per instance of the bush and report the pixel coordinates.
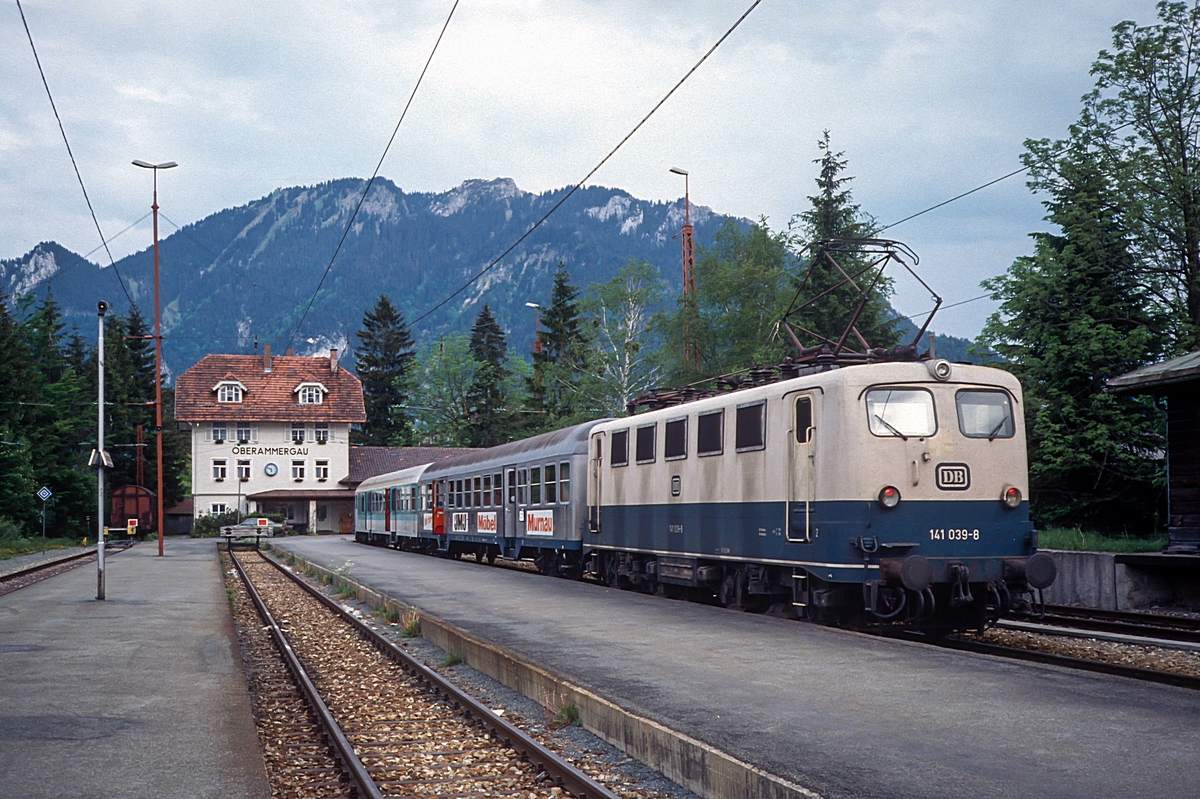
(209, 526)
(10, 530)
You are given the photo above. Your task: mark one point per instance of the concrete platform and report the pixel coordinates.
(842, 714)
(141, 695)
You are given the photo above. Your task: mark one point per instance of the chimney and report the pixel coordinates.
(333, 361)
(266, 357)
(289, 352)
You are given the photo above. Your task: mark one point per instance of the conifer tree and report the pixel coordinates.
(561, 363)
(491, 421)
(1071, 316)
(384, 362)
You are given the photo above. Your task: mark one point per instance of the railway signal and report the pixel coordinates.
(44, 494)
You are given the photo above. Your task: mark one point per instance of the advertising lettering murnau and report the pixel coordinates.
(539, 522)
(485, 521)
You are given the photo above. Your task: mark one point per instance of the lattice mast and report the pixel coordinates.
(691, 357)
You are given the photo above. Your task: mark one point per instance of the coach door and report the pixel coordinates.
(595, 460)
(802, 435)
(511, 511)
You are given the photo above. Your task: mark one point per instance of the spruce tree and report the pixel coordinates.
(1071, 316)
(384, 361)
(490, 416)
(561, 363)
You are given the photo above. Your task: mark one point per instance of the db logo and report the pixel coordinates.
(953, 476)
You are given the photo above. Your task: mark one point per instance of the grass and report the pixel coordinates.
(1086, 540)
(453, 659)
(412, 625)
(392, 616)
(15, 547)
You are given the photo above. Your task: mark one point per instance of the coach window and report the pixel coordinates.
(984, 414)
(487, 491)
(512, 486)
(564, 482)
(675, 443)
(644, 445)
(901, 412)
(397, 501)
(497, 489)
(710, 433)
(414, 501)
(551, 485)
(620, 448)
(804, 420)
(535, 486)
(522, 484)
(750, 434)
(479, 492)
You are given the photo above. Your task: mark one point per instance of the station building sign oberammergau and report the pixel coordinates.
(270, 450)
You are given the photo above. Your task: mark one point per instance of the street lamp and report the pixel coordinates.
(537, 341)
(157, 346)
(690, 356)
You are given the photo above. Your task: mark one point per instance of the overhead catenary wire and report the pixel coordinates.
(574, 188)
(78, 176)
(367, 188)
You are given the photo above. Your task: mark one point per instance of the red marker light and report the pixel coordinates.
(1011, 497)
(889, 496)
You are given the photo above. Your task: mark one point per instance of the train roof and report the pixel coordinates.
(567, 441)
(400, 477)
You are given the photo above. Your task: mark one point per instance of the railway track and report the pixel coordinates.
(1129, 624)
(352, 714)
(42, 571)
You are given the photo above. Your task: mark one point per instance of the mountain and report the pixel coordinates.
(248, 273)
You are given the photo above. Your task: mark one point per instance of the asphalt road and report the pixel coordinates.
(843, 714)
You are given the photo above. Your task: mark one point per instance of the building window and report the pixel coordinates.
(297, 470)
(243, 468)
(322, 512)
(298, 432)
(710, 433)
(321, 470)
(219, 431)
(321, 432)
(217, 508)
(310, 395)
(244, 433)
(219, 469)
(229, 393)
(564, 482)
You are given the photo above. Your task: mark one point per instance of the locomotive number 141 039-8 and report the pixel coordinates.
(953, 534)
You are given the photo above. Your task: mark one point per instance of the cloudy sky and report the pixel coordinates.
(927, 99)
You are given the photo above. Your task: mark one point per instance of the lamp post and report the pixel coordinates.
(157, 347)
(537, 341)
(690, 356)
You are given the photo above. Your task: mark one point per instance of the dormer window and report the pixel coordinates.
(310, 393)
(229, 391)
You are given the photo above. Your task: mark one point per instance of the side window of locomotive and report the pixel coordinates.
(901, 412)
(984, 414)
(804, 420)
(620, 448)
(644, 445)
(675, 445)
(710, 433)
(749, 434)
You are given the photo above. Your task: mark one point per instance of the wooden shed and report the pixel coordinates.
(1178, 381)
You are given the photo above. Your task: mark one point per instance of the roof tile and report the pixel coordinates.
(269, 395)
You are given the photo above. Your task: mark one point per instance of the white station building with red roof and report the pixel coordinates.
(272, 435)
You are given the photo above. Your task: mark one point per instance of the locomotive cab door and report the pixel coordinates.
(595, 459)
(801, 467)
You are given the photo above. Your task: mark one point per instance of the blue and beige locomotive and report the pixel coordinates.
(880, 492)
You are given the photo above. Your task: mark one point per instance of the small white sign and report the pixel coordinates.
(427, 521)
(461, 522)
(44, 494)
(485, 521)
(539, 522)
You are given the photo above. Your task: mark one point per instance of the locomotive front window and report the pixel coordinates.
(984, 414)
(620, 448)
(710, 430)
(675, 445)
(901, 412)
(644, 445)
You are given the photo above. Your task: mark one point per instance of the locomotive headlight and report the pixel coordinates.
(889, 496)
(1011, 497)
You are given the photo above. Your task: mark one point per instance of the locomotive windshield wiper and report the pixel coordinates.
(996, 430)
(889, 427)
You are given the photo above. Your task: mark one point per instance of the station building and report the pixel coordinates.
(272, 435)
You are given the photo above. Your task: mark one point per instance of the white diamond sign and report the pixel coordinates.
(44, 494)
